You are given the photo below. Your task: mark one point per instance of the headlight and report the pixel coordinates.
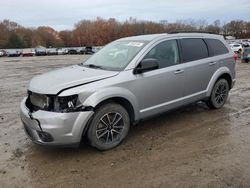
(39, 100)
(54, 103)
(67, 104)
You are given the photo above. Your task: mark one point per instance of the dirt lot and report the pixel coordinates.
(190, 147)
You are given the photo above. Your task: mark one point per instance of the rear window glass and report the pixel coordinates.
(216, 47)
(193, 49)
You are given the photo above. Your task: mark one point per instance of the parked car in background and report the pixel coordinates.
(245, 55)
(237, 48)
(82, 50)
(40, 52)
(61, 51)
(1, 54)
(52, 51)
(245, 43)
(13, 53)
(147, 75)
(27, 53)
(89, 50)
(72, 51)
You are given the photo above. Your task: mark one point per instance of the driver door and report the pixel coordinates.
(160, 89)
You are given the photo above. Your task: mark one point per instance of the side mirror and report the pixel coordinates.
(146, 65)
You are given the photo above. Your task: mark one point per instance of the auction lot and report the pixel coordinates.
(190, 147)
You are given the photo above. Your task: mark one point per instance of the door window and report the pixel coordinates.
(193, 49)
(166, 53)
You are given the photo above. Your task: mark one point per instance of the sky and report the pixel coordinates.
(63, 14)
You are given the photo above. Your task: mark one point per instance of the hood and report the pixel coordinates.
(55, 81)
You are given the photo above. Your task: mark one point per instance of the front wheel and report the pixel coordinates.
(109, 126)
(219, 94)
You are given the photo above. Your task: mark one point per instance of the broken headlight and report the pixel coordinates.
(54, 103)
(67, 104)
(39, 100)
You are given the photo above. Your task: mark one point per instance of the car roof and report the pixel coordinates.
(144, 37)
(166, 35)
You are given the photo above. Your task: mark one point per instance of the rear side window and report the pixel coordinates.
(216, 47)
(193, 49)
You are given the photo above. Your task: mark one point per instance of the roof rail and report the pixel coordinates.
(195, 31)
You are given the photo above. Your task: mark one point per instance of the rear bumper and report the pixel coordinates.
(63, 128)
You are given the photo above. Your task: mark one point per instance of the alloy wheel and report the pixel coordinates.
(110, 127)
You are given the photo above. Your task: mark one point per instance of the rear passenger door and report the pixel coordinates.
(199, 66)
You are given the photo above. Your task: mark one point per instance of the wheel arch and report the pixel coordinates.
(118, 95)
(223, 72)
(121, 101)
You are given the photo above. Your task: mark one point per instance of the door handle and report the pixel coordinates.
(212, 63)
(179, 71)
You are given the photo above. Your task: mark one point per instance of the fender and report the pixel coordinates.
(216, 75)
(107, 93)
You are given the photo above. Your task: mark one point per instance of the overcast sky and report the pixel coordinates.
(63, 14)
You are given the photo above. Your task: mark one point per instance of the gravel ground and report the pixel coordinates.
(190, 147)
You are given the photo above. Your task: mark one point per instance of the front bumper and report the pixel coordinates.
(64, 128)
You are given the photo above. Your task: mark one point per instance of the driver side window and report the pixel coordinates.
(166, 53)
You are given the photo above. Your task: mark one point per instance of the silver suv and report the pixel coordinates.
(128, 80)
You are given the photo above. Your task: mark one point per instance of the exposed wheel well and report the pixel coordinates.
(228, 78)
(123, 102)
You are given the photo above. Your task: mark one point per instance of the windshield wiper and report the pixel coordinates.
(93, 66)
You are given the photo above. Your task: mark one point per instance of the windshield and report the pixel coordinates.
(115, 56)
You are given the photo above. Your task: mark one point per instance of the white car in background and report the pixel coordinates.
(1, 54)
(61, 51)
(237, 48)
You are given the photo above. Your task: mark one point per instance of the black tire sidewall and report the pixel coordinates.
(109, 107)
(212, 98)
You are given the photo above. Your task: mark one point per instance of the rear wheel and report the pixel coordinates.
(219, 94)
(109, 126)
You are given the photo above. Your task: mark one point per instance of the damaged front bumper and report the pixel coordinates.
(54, 128)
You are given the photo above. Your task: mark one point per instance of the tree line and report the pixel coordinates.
(100, 31)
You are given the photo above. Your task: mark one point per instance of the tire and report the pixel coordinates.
(219, 94)
(109, 126)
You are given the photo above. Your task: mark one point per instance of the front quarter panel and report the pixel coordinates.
(111, 92)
